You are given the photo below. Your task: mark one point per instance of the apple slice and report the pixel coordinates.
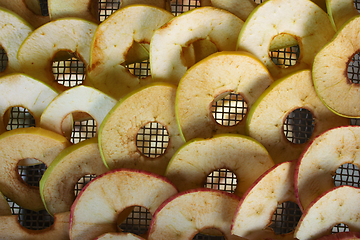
(164, 4)
(167, 59)
(96, 209)
(340, 11)
(59, 180)
(4, 206)
(117, 133)
(119, 236)
(195, 160)
(37, 52)
(209, 80)
(319, 162)
(259, 203)
(188, 213)
(266, 118)
(342, 236)
(19, 144)
(303, 19)
(338, 205)
(113, 40)
(330, 71)
(10, 228)
(76, 99)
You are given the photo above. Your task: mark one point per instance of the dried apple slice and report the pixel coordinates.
(194, 161)
(317, 221)
(58, 182)
(340, 11)
(164, 4)
(4, 206)
(302, 19)
(96, 209)
(342, 236)
(119, 236)
(266, 118)
(85, 9)
(241, 8)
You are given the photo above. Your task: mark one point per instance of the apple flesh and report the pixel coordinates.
(119, 236)
(4, 206)
(340, 11)
(85, 9)
(164, 4)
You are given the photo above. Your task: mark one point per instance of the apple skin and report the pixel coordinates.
(342, 236)
(340, 11)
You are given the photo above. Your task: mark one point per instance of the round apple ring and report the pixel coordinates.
(198, 210)
(19, 144)
(274, 187)
(216, 75)
(85, 9)
(117, 134)
(302, 19)
(37, 52)
(330, 71)
(196, 159)
(122, 35)
(168, 60)
(341, 11)
(266, 118)
(95, 210)
(71, 164)
(319, 162)
(4, 206)
(119, 236)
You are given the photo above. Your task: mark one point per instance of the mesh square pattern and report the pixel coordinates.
(152, 139)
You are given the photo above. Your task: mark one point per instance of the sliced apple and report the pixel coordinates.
(319, 162)
(167, 59)
(342, 236)
(95, 210)
(119, 236)
(194, 161)
(114, 39)
(266, 118)
(4, 206)
(257, 206)
(188, 213)
(85, 9)
(303, 19)
(59, 180)
(340, 11)
(117, 133)
(338, 205)
(165, 4)
(208, 80)
(76, 99)
(37, 52)
(330, 71)
(10, 228)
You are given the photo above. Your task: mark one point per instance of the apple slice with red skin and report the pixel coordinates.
(97, 207)
(119, 236)
(337, 205)
(342, 236)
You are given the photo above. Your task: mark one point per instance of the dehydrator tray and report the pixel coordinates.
(152, 139)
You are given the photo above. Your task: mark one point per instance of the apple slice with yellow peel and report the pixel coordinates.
(330, 71)
(10, 228)
(19, 144)
(266, 118)
(340, 11)
(167, 58)
(188, 213)
(96, 209)
(241, 8)
(4, 206)
(119, 236)
(112, 42)
(210, 79)
(196, 159)
(319, 162)
(303, 19)
(76, 99)
(58, 182)
(37, 52)
(165, 4)
(317, 221)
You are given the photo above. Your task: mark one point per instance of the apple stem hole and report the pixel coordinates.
(285, 218)
(353, 72)
(299, 126)
(69, 71)
(137, 222)
(222, 179)
(152, 140)
(347, 174)
(20, 118)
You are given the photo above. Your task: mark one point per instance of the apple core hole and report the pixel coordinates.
(299, 126)
(68, 70)
(152, 140)
(19, 117)
(106, 8)
(82, 182)
(341, 227)
(285, 218)
(140, 69)
(137, 221)
(347, 174)
(222, 179)
(287, 54)
(229, 109)
(85, 127)
(3, 59)
(353, 72)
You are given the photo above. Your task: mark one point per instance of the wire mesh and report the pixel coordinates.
(299, 126)
(152, 140)
(353, 69)
(69, 72)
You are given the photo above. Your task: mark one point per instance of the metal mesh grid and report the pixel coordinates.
(152, 140)
(222, 179)
(353, 69)
(83, 130)
(299, 125)
(20, 118)
(138, 221)
(3, 60)
(70, 72)
(285, 57)
(285, 218)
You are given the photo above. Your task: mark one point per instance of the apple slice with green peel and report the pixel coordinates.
(164, 4)
(96, 209)
(188, 213)
(76, 99)
(241, 8)
(320, 160)
(4, 206)
(257, 206)
(211, 79)
(118, 132)
(303, 19)
(342, 236)
(113, 41)
(196, 159)
(338, 205)
(119, 236)
(330, 71)
(10, 228)
(19, 144)
(267, 116)
(167, 59)
(37, 52)
(340, 11)
(58, 182)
